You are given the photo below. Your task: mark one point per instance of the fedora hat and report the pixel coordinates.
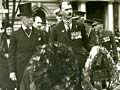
(25, 9)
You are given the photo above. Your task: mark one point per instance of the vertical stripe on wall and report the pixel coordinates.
(110, 16)
(82, 7)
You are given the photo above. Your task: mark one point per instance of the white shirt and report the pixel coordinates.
(66, 22)
(24, 28)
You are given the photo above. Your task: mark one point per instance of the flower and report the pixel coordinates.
(56, 66)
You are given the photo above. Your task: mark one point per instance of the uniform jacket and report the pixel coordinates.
(106, 39)
(77, 38)
(21, 50)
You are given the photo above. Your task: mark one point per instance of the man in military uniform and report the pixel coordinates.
(58, 16)
(79, 16)
(88, 26)
(71, 33)
(102, 38)
(99, 36)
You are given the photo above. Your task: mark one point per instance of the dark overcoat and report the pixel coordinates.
(5, 81)
(21, 50)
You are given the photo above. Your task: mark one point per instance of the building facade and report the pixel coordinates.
(107, 10)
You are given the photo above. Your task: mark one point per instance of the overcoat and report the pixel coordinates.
(5, 81)
(21, 50)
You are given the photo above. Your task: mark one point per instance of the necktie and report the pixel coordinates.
(27, 30)
(68, 29)
(68, 26)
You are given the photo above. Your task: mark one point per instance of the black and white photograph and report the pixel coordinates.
(59, 44)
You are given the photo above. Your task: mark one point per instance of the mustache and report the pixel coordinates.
(70, 14)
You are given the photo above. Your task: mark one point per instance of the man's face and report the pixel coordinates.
(66, 10)
(27, 21)
(98, 27)
(82, 18)
(59, 18)
(38, 23)
(9, 30)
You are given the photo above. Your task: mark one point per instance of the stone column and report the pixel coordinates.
(1, 13)
(110, 16)
(119, 16)
(82, 7)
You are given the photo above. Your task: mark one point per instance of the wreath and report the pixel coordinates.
(99, 67)
(54, 67)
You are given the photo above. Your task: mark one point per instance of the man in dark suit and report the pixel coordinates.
(72, 34)
(40, 24)
(23, 42)
(58, 15)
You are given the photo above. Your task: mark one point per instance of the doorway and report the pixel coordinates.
(96, 9)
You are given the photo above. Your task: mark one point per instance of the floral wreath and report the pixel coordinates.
(99, 53)
(54, 67)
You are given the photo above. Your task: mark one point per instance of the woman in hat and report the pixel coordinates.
(5, 82)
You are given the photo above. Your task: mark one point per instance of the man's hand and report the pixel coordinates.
(12, 76)
(6, 55)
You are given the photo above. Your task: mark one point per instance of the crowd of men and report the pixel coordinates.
(70, 29)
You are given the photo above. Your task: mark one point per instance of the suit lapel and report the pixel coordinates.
(33, 38)
(63, 31)
(29, 41)
(62, 27)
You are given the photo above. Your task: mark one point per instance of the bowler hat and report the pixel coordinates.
(25, 9)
